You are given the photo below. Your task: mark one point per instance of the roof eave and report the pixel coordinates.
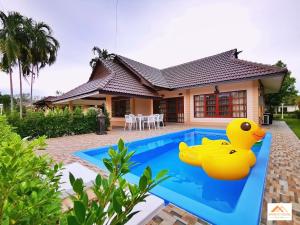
(100, 91)
(71, 98)
(231, 80)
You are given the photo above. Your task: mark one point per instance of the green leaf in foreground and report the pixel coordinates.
(79, 210)
(161, 174)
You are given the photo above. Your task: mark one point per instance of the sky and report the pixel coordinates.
(159, 33)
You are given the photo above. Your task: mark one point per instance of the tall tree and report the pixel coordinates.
(101, 54)
(287, 92)
(4, 66)
(11, 25)
(43, 50)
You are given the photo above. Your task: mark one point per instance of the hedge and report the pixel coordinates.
(28, 182)
(56, 123)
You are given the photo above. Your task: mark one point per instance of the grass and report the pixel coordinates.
(294, 124)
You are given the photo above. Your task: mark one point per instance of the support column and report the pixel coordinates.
(151, 106)
(70, 106)
(85, 108)
(108, 105)
(187, 107)
(132, 105)
(256, 117)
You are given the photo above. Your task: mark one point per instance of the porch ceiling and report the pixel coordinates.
(272, 84)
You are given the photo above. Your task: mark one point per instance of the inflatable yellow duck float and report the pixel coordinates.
(225, 160)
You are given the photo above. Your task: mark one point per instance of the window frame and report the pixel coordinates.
(217, 105)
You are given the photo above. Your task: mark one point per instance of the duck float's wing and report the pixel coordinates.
(207, 141)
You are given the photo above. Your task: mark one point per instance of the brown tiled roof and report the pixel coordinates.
(216, 68)
(149, 73)
(45, 99)
(119, 80)
(125, 75)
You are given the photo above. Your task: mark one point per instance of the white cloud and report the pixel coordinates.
(201, 30)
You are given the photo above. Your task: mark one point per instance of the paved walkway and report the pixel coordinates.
(282, 185)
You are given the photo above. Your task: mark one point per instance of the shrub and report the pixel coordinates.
(297, 113)
(55, 123)
(28, 183)
(29, 186)
(115, 196)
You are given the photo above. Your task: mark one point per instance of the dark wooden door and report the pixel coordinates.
(175, 110)
(180, 110)
(172, 110)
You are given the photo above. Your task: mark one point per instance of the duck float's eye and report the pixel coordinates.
(246, 126)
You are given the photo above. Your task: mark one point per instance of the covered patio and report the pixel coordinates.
(118, 105)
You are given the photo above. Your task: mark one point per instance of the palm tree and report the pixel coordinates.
(102, 54)
(4, 66)
(11, 25)
(42, 52)
(28, 44)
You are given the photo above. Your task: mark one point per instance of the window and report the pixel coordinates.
(239, 106)
(120, 106)
(199, 105)
(226, 105)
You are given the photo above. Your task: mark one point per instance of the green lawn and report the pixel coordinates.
(294, 124)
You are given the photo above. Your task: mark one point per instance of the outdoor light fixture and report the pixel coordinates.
(217, 90)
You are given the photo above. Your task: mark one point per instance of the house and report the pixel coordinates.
(291, 106)
(45, 102)
(286, 109)
(207, 91)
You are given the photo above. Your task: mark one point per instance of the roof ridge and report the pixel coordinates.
(123, 59)
(232, 51)
(137, 61)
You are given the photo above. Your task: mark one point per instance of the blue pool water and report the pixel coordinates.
(189, 187)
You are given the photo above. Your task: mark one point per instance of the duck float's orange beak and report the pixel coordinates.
(259, 133)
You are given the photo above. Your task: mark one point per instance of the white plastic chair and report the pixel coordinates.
(130, 121)
(135, 120)
(161, 119)
(156, 117)
(150, 121)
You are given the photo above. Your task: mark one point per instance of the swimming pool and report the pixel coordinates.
(218, 202)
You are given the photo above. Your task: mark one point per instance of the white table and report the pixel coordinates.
(140, 119)
(143, 118)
